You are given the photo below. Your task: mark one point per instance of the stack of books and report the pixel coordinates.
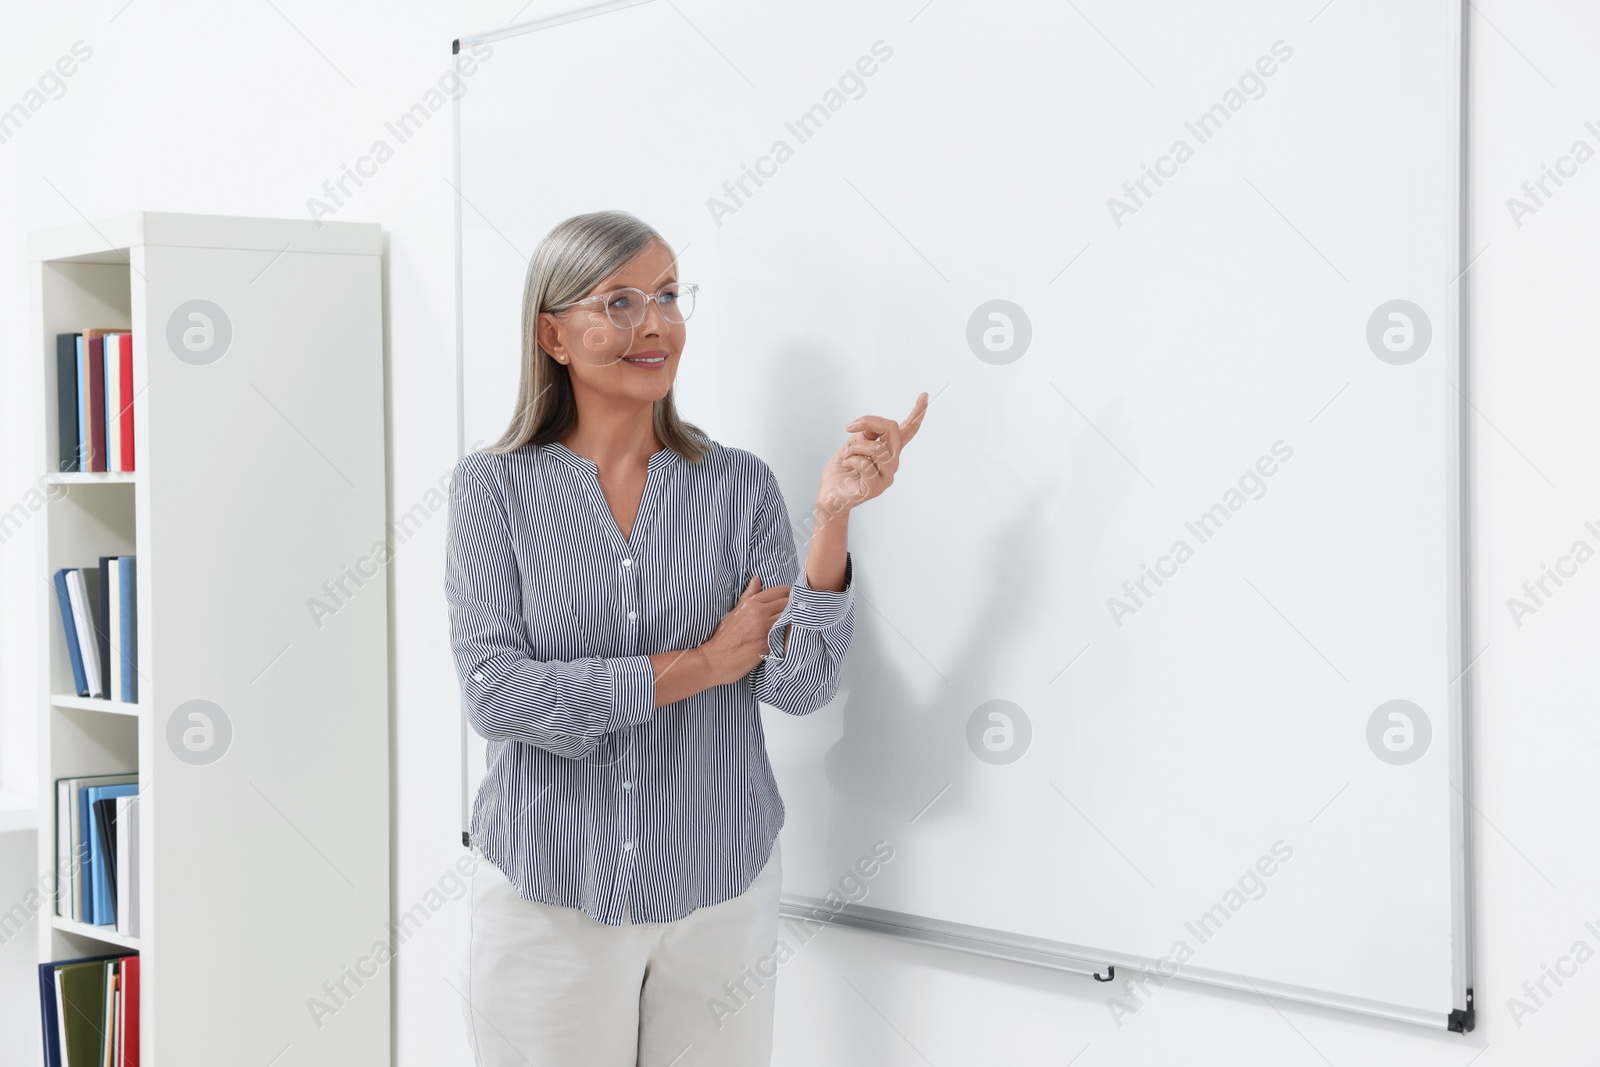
(94, 397)
(91, 1011)
(101, 622)
(97, 850)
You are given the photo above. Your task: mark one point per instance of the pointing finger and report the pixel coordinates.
(913, 421)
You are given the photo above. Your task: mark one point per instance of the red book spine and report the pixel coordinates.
(125, 419)
(130, 1012)
(97, 404)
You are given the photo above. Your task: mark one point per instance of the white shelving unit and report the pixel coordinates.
(259, 493)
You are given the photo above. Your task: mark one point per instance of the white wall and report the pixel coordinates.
(19, 945)
(249, 108)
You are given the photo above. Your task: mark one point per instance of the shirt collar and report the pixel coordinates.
(555, 448)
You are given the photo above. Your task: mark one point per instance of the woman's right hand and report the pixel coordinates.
(740, 639)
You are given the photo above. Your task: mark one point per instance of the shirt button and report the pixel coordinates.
(627, 563)
(633, 614)
(627, 785)
(477, 676)
(627, 846)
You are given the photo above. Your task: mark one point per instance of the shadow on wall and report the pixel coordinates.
(895, 754)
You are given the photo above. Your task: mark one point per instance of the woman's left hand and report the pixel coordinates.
(866, 464)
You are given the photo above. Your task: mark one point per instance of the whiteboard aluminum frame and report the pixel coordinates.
(1459, 559)
(1088, 961)
(1100, 965)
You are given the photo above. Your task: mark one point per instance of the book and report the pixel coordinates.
(61, 1012)
(112, 373)
(108, 1032)
(81, 368)
(50, 1025)
(94, 383)
(127, 866)
(105, 821)
(125, 374)
(80, 676)
(64, 860)
(130, 1012)
(94, 614)
(102, 622)
(84, 627)
(67, 401)
(85, 849)
(77, 852)
(128, 636)
(97, 898)
(81, 992)
(114, 1059)
(111, 600)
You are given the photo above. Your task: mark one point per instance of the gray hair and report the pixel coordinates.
(575, 256)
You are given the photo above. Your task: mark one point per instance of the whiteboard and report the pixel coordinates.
(1158, 649)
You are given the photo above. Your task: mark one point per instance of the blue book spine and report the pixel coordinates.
(95, 899)
(84, 432)
(47, 1013)
(130, 629)
(79, 677)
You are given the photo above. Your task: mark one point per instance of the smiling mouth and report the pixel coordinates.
(645, 359)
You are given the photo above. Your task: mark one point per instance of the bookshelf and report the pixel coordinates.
(260, 491)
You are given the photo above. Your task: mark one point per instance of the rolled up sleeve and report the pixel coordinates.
(564, 706)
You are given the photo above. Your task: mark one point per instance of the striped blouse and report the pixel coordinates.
(595, 798)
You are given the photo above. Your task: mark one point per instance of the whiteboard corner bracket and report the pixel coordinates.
(1462, 1020)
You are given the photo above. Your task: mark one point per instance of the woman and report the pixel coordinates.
(620, 599)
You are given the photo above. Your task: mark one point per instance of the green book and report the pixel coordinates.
(81, 988)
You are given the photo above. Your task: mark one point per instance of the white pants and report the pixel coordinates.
(547, 986)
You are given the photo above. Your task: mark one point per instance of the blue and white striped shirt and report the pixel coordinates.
(595, 798)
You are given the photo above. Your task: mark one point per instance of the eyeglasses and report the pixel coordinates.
(626, 307)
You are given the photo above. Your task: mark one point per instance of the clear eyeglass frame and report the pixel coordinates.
(619, 318)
